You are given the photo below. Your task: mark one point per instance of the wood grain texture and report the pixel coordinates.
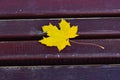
(58, 8)
(81, 72)
(32, 29)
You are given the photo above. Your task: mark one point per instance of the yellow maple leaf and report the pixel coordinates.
(59, 37)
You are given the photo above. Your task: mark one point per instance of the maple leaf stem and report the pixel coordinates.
(85, 43)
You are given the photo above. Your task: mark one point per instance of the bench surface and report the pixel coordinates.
(22, 57)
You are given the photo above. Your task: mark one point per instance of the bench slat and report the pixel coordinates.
(81, 72)
(88, 28)
(33, 50)
(58, 8)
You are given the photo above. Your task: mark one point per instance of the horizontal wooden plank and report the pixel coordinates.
(81, 72)
(58, 8)
(31, 29)
(33, 50)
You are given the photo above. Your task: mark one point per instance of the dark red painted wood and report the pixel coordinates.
(81, 72)
(58, 8)
(25, 50)
(88, 28)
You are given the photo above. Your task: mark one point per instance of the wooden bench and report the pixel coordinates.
(22, 57)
